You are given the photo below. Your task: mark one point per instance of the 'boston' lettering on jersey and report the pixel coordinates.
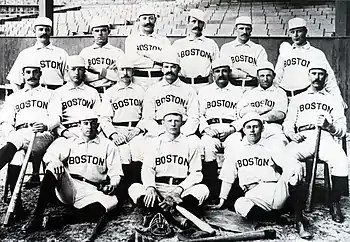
(51, 64)
(243, 58)
(31, 103)
(315, 105)
(221, 103)
(77, 102)
(261, 103)
(86, 159)
(148, 47)
(171, 159)
(197, 52)
(126, 102)
(100, 61)
(253, 161)
(170, 98)
(296, 61)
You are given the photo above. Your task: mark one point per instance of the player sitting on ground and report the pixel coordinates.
(267, 178)
(84, 172)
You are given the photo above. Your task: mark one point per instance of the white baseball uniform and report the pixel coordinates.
(160, 95)
(301, 117)
(137, 45)
(93, 160)
(196, 56)
(169, 163)
(100, 57)
(120, 112)
(52, 62)
(217, 109)
(245, 59)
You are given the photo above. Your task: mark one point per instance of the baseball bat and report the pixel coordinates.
(196, 221)
(308, 205)
(19, 182)
(252, 235)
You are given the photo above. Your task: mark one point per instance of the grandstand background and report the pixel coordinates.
(72, 31)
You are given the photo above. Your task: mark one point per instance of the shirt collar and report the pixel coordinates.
(150, 35)
(70, 86)
(192, 38)
(306, 46)
(216, 87)
(39, 46)
(119, 86)
(310, 91)
(165, 138)
(26, 88)
(177, 83)
(107, 46)
(246, 143)
(270, 89)
(237, 43)
(80, 140)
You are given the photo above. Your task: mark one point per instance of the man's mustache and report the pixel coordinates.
(170, 73)
(44, 36)
(149, 25)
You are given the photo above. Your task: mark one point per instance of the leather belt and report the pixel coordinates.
(23, 126)
(195, 80)
(244, 83)
(80, 178)
(250, 186)
(52, 87)
(126, 124)
(306, 127)
(169, 180)
(294, 92)
(71, 125)
(140, 73)
(219, 120)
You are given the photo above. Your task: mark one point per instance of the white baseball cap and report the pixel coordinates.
(171, 109)
(147, 11)
(318, 65)
(98, 22)
(220, 62)
(125, 62)
(88, 115)
(198, 14)
(43, 21)
(31, 62)
(265, 66)
(75, 60)
(296, 23)
(243, 20)
(170, 56)
(251, 116)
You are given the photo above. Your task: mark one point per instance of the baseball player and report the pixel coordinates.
(52, 58)
(170, 91)
(244, 54)
(270, 102)
(101, 57)
(171, 170)
(144, 47)
(120, 114)
(258, 168)
(318, 108)
(294, 61)
(26, 111)
(84, 172)
(196, 52)
(75, 98)
(217, 110)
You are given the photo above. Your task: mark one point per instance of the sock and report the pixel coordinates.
(90, 213)
(256, 213)
(191, 204)
(47, 188)
(6, 154)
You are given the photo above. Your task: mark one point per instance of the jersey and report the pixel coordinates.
(52, 62)
(305, 109)
(100, 57)
(196, 55)
(160, 95)
(178, 158)
(121, 104)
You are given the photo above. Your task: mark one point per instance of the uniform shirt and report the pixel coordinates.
(216, 102)
(160, 95)
(94, 159)
(292, 68)
(121, 104)
(152, 44)
(307, 106)
(196, 55)
(244, 56)
(52, 62)
(30, 106)
(99, 57)
(178, 158)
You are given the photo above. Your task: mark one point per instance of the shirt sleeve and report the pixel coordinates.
(202, 112)
(262, 56)
(279, 70)
(15, 74)
(149, 113)
(114, 164)
(58, 151)
(291, 117)
(106, 113)
(339, 120)
(53, 111)
(131, 52)
(192, 122)
(331, 82)
(228, 174)
(148, 171)
(8, 115)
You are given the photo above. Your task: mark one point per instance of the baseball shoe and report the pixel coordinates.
(33, 181)
(303, 233)
(336, 213)
(34, 224)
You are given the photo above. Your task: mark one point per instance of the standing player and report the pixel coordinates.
(217, 110)
(244, 54)
(101, 57)
(171, 170)
(196, 52)
(258, 168)
(317, 108)
(52, 59)
(84, 172)
(270, 102)
(26, 111)
(294, 61)
(144, 47)
(170, 91)
(75, 98)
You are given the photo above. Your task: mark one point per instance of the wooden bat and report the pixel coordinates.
(308, 205)
(19, 182)
(196, 221)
